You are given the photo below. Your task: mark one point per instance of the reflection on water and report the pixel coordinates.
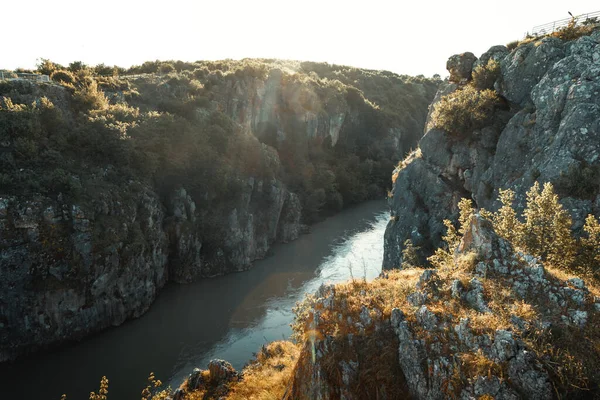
(228, 317)
(356, 254)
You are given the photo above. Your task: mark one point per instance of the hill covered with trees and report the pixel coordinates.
(114, 181)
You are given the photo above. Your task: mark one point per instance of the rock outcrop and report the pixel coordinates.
(460, 66)
(468, 330)
(68, 270)
(548, 131)
(214, 383)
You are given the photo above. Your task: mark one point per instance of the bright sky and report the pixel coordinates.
(410, 37)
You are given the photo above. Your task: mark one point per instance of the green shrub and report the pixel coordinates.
(484, 76)
(48, 67)
(166, 68)
(546, 231)
(547, 228)
(512, 45)
(464, 111)
(77, 66)
(105, 70)
(25, 148)
(573, 31)
(543, 230)
(8, 74)
(87, 96)
(589, 254)
(63, 76)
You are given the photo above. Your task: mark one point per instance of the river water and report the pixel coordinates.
(228, 317)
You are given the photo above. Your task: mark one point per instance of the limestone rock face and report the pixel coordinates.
(289, 227)
(438, 332)
(269, 107)
(523, 68)
(479, 238)
(214, 382)
(185, 262)
(460, 66)
(496, 53)
(67, 270)
(550, 134)
(253, 225)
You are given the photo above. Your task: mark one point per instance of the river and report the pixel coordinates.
(228, 317)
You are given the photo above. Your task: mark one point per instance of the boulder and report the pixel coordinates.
(460, 67)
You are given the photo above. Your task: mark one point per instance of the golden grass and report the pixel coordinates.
(567, 33)
(383, 294)
(560, 274)
(467, 262)
(477, 364)
(268, 377)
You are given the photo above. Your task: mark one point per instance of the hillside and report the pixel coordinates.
(113, 182)
(527, 115)
(490, 285)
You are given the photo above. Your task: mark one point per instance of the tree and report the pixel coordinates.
(47, 67)
(589, 255)
(547, 228)
(76, 66)
(505, 219)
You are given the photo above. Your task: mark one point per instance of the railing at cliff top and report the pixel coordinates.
(591, 18)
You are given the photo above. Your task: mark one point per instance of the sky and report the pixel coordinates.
(407, 37)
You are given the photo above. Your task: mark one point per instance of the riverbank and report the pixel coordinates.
(190, 324)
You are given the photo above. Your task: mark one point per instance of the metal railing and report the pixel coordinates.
(590, 18)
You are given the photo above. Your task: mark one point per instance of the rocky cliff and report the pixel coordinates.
(482, 318)
(544, 127)
(490, 323)
(110, 187)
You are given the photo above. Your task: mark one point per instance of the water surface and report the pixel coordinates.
(227, 317)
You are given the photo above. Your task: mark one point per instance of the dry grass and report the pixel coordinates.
(467, 262)
(570, 354)
(477, 364)
(374, 347)
(570, 32)
(265, 378)
(563, 275)
(350, 298)
(404, 163)
(573, 31)
(268, 377)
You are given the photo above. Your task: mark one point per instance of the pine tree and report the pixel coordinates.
(589, 258)
(443, 256)
(410, 258)
(505, 219)
(547, 227)
(466, 210)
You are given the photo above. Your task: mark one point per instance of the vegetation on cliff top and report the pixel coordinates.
(572, 31)
(175, 124)
(171, 123)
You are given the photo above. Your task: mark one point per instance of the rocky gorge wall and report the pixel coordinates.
(547, 130)
(483, 319)
(90, 244)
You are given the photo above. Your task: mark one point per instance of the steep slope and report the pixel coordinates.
(110, 187)
(544, 125)
(490, 323)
